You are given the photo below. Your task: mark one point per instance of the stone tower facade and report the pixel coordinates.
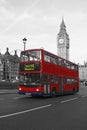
(63, 42)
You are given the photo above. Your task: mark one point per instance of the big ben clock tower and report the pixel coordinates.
(63, 42)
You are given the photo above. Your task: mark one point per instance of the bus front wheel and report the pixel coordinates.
(54, 92)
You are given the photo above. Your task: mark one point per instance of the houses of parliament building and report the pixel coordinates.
(9, 65)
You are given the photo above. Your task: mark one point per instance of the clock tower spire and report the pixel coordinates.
(63, 42)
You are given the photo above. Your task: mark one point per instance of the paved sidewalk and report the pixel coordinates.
(12, 91)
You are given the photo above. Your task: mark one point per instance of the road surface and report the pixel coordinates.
(59, 113)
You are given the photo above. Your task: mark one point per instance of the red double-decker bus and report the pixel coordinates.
(42, 73)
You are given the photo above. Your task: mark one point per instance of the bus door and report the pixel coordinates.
(61, 84)
(46, 84)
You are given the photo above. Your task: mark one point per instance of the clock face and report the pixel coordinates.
(61, 41)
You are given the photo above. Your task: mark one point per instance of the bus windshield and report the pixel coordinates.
(31, 55)
(30, 79)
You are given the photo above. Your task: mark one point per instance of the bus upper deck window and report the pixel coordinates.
(31, 55)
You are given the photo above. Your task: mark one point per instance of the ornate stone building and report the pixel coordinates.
(63, 42)
(9, 65)
(83, 72)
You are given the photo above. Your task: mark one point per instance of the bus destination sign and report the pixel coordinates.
(29, 67)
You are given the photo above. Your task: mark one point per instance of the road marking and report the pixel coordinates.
(68, 100)
(26, 111)
(2, 92)
(16, 98)
(84, 96)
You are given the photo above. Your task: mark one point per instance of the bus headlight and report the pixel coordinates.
(20, 89)
(37, 90)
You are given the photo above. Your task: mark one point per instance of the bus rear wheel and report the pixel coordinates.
(74, 91)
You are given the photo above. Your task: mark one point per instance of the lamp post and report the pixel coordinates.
(24, 41)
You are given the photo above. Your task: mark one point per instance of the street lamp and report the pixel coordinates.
(24, 41)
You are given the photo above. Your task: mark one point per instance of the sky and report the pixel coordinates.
(39, 21)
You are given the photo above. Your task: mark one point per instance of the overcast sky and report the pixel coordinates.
(39, 21)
